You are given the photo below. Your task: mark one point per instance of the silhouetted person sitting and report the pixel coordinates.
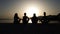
(34, 19)
(44, 19)
(16, 19)
(25, 19)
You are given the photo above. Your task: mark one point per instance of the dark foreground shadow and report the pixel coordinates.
(29, 28)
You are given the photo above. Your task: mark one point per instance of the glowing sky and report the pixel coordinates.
(9, 7)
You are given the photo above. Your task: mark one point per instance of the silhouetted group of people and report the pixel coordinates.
(25, 19)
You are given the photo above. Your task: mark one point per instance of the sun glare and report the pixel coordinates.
(31, 10)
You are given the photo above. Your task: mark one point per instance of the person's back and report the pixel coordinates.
(34, 19)
(25, 19)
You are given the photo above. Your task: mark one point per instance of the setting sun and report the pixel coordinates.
(31, 10)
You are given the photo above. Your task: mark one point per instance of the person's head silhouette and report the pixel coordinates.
(16, 14)
(24, 14)
(34, 14)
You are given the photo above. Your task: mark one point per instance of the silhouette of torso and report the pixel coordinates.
(25, 19)
(45, 20)
(16, 19)
(34, 20)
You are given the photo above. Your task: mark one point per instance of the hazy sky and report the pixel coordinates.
(9, 7)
